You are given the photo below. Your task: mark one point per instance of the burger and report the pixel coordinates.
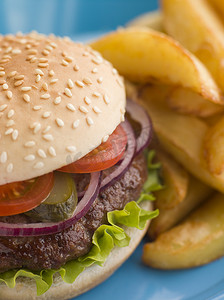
(72, 168)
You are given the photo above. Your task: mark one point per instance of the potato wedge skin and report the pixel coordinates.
(175, 179)
(185, 101)
(197, 193)
(137, 52)
(196, 241)
(180, 135)
(199, 30)
(214, 147)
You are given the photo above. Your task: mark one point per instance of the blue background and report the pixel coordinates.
(83, 19)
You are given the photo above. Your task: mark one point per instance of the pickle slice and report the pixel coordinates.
(61, 202)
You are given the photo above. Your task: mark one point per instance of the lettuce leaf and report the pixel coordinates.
(104, 238)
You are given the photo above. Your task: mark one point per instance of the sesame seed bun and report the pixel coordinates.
(26, 290)
(58, 101)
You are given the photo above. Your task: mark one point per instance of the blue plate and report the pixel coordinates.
(83, 20)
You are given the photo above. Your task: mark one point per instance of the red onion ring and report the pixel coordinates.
(124, 163)
(35, 229)
(139, 114)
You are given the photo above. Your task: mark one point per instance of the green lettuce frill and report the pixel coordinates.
(104, 238)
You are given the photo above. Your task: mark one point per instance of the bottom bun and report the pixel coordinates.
(25, 288)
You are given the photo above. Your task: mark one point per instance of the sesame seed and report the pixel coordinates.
(2, 73)
(32, 51)
(59, 122)
(3, 61)
(19, 82)
(37, 107)
(33, 59)
(68, 93)
(79, 83)
(41, 153)
(57, 100)
(43, 65)
(114, 71)
(87, 100)
(37, 128)
(53, 45)
(45, 86)
(87, 81)
(29, 144)
(96, 109)
(6, 57)
(45, 96)
(75, 124)
(83, 109)
(64, 54)
(122, 118)
(26, 88)
(76, 67)
(43, 60)
(3, 107)
(70, 83)
(106, 99)
(48, 137)
(46, 114)
(97, 60)
(70, 106)
(64, 63)
(5, 86)
(29, 57)
(53, 81)
(49, 48)
(29, 157)
(37, 78)
(85, 53)
(69, 59)
(3, 157)
(96, 94)
(39, 72)
(8, 50)
(18, 77)
(45, 52)
(9, 94)
(94, 71)
(11, 113)
(46, 129)
(15, 134)
(105, 138)
(51, 73)
(34, 87)
(38, 165)
(16, 51)
(71, 148)
(26, 98)
(9, 131)
(2, 81)
(11, 74)
(52, 151)
(9, 168)
(100, 79)
(119, 81)
(2, 68)
(10, 123)
(89, 121)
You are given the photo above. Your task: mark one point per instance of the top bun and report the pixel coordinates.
(58, 101)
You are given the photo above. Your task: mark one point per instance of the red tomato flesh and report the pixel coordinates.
(22, 196)
(103, 157)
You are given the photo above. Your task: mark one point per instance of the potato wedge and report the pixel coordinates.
(175, 182)
(137, 54)
(197, 27)
(152, 20)
(180, 135)
(214, 147)
(196, 241)
(197, 193)
(219, 6)
(187, 102)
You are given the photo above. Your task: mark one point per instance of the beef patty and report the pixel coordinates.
(52, 251)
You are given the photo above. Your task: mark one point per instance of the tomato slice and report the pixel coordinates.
(103, 157)
(22, 196)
